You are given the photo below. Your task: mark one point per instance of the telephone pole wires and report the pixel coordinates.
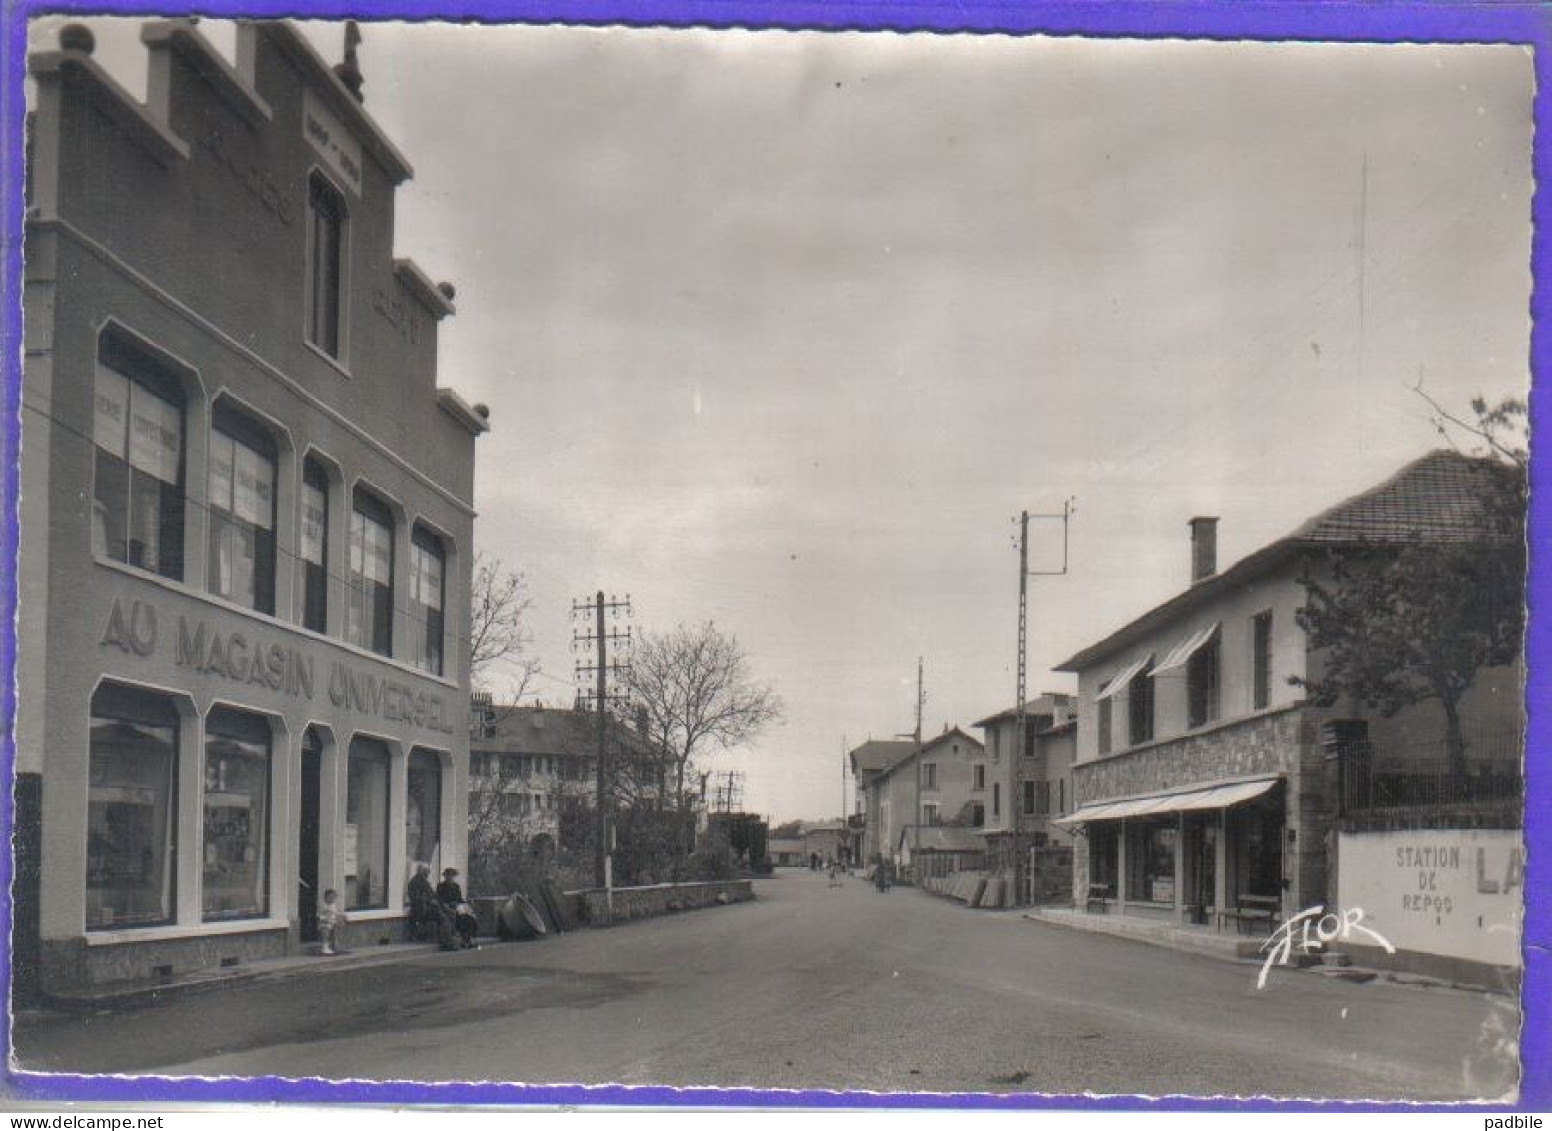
(599, 637)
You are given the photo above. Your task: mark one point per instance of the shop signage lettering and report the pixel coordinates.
(332, 140)
(260, 185)
(132, 627)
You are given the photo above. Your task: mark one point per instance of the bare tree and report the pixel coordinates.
(694, 686)
(498, 635)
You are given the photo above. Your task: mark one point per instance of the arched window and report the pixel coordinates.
(326, 274)
(237, 792)
(242, 510)
(427, 590)
(369, 616)
(138, 492)
(314, 540)
(131, 810)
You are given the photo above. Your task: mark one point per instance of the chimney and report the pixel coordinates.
(1204, 548)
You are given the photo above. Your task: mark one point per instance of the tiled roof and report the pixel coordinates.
(1434, 499)
(549, 730)
(874, 756)
(1050, 703)
(1437, 498)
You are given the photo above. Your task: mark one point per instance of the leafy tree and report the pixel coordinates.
(1400, 625)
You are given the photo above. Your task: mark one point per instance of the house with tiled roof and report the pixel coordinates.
(870, 762)
(1209, 791)
(941, 781)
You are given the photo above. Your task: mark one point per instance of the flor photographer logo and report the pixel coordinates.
(1311, 931)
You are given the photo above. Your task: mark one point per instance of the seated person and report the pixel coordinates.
(426, 908)
(450, 894)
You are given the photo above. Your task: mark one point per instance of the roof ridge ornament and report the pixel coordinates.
(349, 71)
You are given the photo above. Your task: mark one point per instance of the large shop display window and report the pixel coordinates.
(242, 512)
(137, 494)
(1150, 865)
(366, 826)
(369, 620)
(237, 791)
(423, 810)
(426, 599)
(131, 828)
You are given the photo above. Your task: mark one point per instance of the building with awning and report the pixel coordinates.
(1206, 789)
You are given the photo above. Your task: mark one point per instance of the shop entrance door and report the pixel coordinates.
(307, 893)
(1201, 862)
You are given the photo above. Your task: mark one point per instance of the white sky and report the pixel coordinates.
(782, 329)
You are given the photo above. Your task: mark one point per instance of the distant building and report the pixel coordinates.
(1208, 791)
(1040, 776)
(945, 781)
(869, 763)
(247, 514)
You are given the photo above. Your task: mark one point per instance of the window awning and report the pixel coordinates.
(1123, 677)
(1213, 797)
(1181, 653)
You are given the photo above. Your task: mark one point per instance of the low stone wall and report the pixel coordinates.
(658, 899)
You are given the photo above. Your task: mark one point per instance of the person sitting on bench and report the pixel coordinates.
(450, 895)
(426, 908)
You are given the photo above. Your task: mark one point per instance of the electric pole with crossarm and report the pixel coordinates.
(600, 697)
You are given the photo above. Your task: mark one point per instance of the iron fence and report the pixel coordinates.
(1420, 776)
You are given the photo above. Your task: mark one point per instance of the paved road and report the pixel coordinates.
(819, 987)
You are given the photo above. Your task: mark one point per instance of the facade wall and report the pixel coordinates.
(198, 259)
(1276, 592)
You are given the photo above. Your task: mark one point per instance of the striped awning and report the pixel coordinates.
(1212, 797)
(1123, 677)
(1181, 653)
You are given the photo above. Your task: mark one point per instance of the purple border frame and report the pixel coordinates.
(1420, 21)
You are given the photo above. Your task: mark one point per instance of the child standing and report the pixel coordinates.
(330, 920)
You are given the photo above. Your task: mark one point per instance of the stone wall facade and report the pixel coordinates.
(659, 899)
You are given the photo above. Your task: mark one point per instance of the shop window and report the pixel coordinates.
(138, 489)
(1202, 684)
(237, 790)
(427, 591)
(366, 826)
(1261, 859)
(1104, 854)
(1104, 722)
(241, 502)
(326, 276)
(369, 619)
(930, 775)
(1150, 871)
(131, 822)
(1261, 660)
(423, 809)
(1139, 698)
(314, 546)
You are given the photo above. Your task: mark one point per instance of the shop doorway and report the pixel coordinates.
(1201, 839)
(307, 893)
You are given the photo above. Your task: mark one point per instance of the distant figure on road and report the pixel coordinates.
(835, 873)
(881, 874)
(426, 908)
(330, 920)
(450, 896)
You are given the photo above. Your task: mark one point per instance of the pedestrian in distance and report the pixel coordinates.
(450, 896)
(330, 920)
(426, 908)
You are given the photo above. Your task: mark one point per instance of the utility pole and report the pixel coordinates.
(600, 637)
(921, 699)
(1020, 717)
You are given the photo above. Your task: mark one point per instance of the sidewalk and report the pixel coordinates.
(149, 991)
(1197, 940)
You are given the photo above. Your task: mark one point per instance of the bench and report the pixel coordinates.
(1252, 910)
(1100, 894)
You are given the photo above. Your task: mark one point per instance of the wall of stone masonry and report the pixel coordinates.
(660, 899)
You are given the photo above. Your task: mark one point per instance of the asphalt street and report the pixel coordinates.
(820, 987)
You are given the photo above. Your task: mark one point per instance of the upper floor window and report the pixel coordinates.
(1202, 672)
(1140, 707)
(314, 546)
(978, 776)
(930, 815)
(1261, 658)
(369, 615)
(1104, 722)
(138, 490)
(242, 511)
(326, 276)
(929, 775)
(427, 593)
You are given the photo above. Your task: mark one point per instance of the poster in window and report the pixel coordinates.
(253, 488)
(352, 833)
(221, 460)
(314, 515)
(155, 434)
(112, 409)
